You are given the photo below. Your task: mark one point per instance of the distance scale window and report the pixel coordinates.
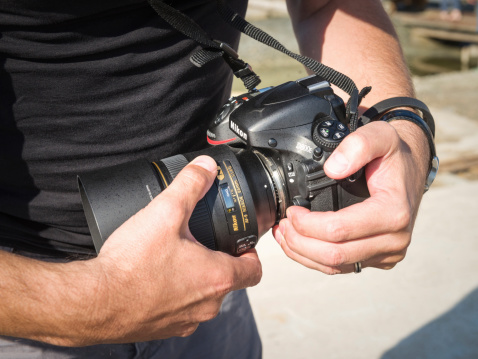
(227, 197)
(236, 212)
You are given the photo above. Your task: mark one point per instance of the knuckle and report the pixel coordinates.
(257, 276)
(400, 256)
(334, 256)
(334, 231)
(213, 313)
(388, 266)
(400, 244)
(330, 271)
(222, 284)
(193, 176)
(358, 141)
(293, 241)
(188, 330)
(209, 313)
(401, 219)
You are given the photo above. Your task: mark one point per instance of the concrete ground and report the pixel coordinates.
(427, 306)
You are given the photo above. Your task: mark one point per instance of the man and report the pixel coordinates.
(92, 84)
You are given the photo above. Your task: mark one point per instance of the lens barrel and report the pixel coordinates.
(238, 209)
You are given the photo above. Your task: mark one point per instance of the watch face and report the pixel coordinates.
(432, 174)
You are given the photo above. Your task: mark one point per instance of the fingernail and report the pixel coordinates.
(337, 163)
(281, 227)
(205, 162)
(288, 213)
(279, 237)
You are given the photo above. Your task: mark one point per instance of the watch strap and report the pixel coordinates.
(380, 108)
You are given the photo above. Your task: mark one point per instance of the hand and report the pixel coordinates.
(377, 231)
(157, 280)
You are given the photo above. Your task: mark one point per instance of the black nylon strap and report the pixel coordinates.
(188, 27)
(340, 80)
(183, 24)
(212, 48)
(396, 102)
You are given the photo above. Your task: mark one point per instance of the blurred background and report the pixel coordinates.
(427, 306)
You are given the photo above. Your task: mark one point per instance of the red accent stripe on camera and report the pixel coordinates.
(212, 142)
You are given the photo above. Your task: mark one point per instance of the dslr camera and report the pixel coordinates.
(270, 147)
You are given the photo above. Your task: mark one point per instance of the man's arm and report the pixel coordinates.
(151, 280)
(357, 39)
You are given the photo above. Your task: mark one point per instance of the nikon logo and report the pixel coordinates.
(235, 128)
(210, 134)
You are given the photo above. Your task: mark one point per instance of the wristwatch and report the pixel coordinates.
(381, 111)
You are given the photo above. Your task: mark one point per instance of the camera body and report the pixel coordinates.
(293, 128)
(270, 147)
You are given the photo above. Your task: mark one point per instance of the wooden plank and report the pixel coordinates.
(431, 19)
(445, 35)
(459, 164)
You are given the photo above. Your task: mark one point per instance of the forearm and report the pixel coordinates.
(49, 302)
(355, 38)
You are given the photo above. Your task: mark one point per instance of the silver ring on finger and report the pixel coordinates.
(357, 267)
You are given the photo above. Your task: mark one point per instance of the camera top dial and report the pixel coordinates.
(328, 133)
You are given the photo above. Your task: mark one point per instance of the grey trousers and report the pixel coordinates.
(231, 335)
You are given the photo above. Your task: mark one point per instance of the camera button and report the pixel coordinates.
(324, 132)
(338, 135)
(341, 127)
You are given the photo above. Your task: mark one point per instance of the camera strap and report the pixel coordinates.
(213, 49)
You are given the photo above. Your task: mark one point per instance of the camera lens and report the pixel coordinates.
(242, 204)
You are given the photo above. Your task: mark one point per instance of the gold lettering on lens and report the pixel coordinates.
(234, 223)
(220, 174)
(237, 196)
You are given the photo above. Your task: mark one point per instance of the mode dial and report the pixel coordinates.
(328, 134)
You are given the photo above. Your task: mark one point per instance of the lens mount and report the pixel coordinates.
(277, 183)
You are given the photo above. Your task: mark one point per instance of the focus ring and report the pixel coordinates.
(200, 223)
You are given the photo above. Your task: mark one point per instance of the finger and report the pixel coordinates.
(238, 272)
(387, 262)
(301, 259)
(192, 183)
(384, 262)
(338, 254)
(172, 208)
(376, 215)
(179, 199)
(374, 140)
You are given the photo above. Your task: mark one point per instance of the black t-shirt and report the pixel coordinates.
(86, 84)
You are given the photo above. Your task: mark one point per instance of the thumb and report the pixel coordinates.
(369, 142)
(189, 186)
(172, 208)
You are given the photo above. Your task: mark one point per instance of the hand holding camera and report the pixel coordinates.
(377, 231)
(270, 147)
(286, 151)
(155, 250)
